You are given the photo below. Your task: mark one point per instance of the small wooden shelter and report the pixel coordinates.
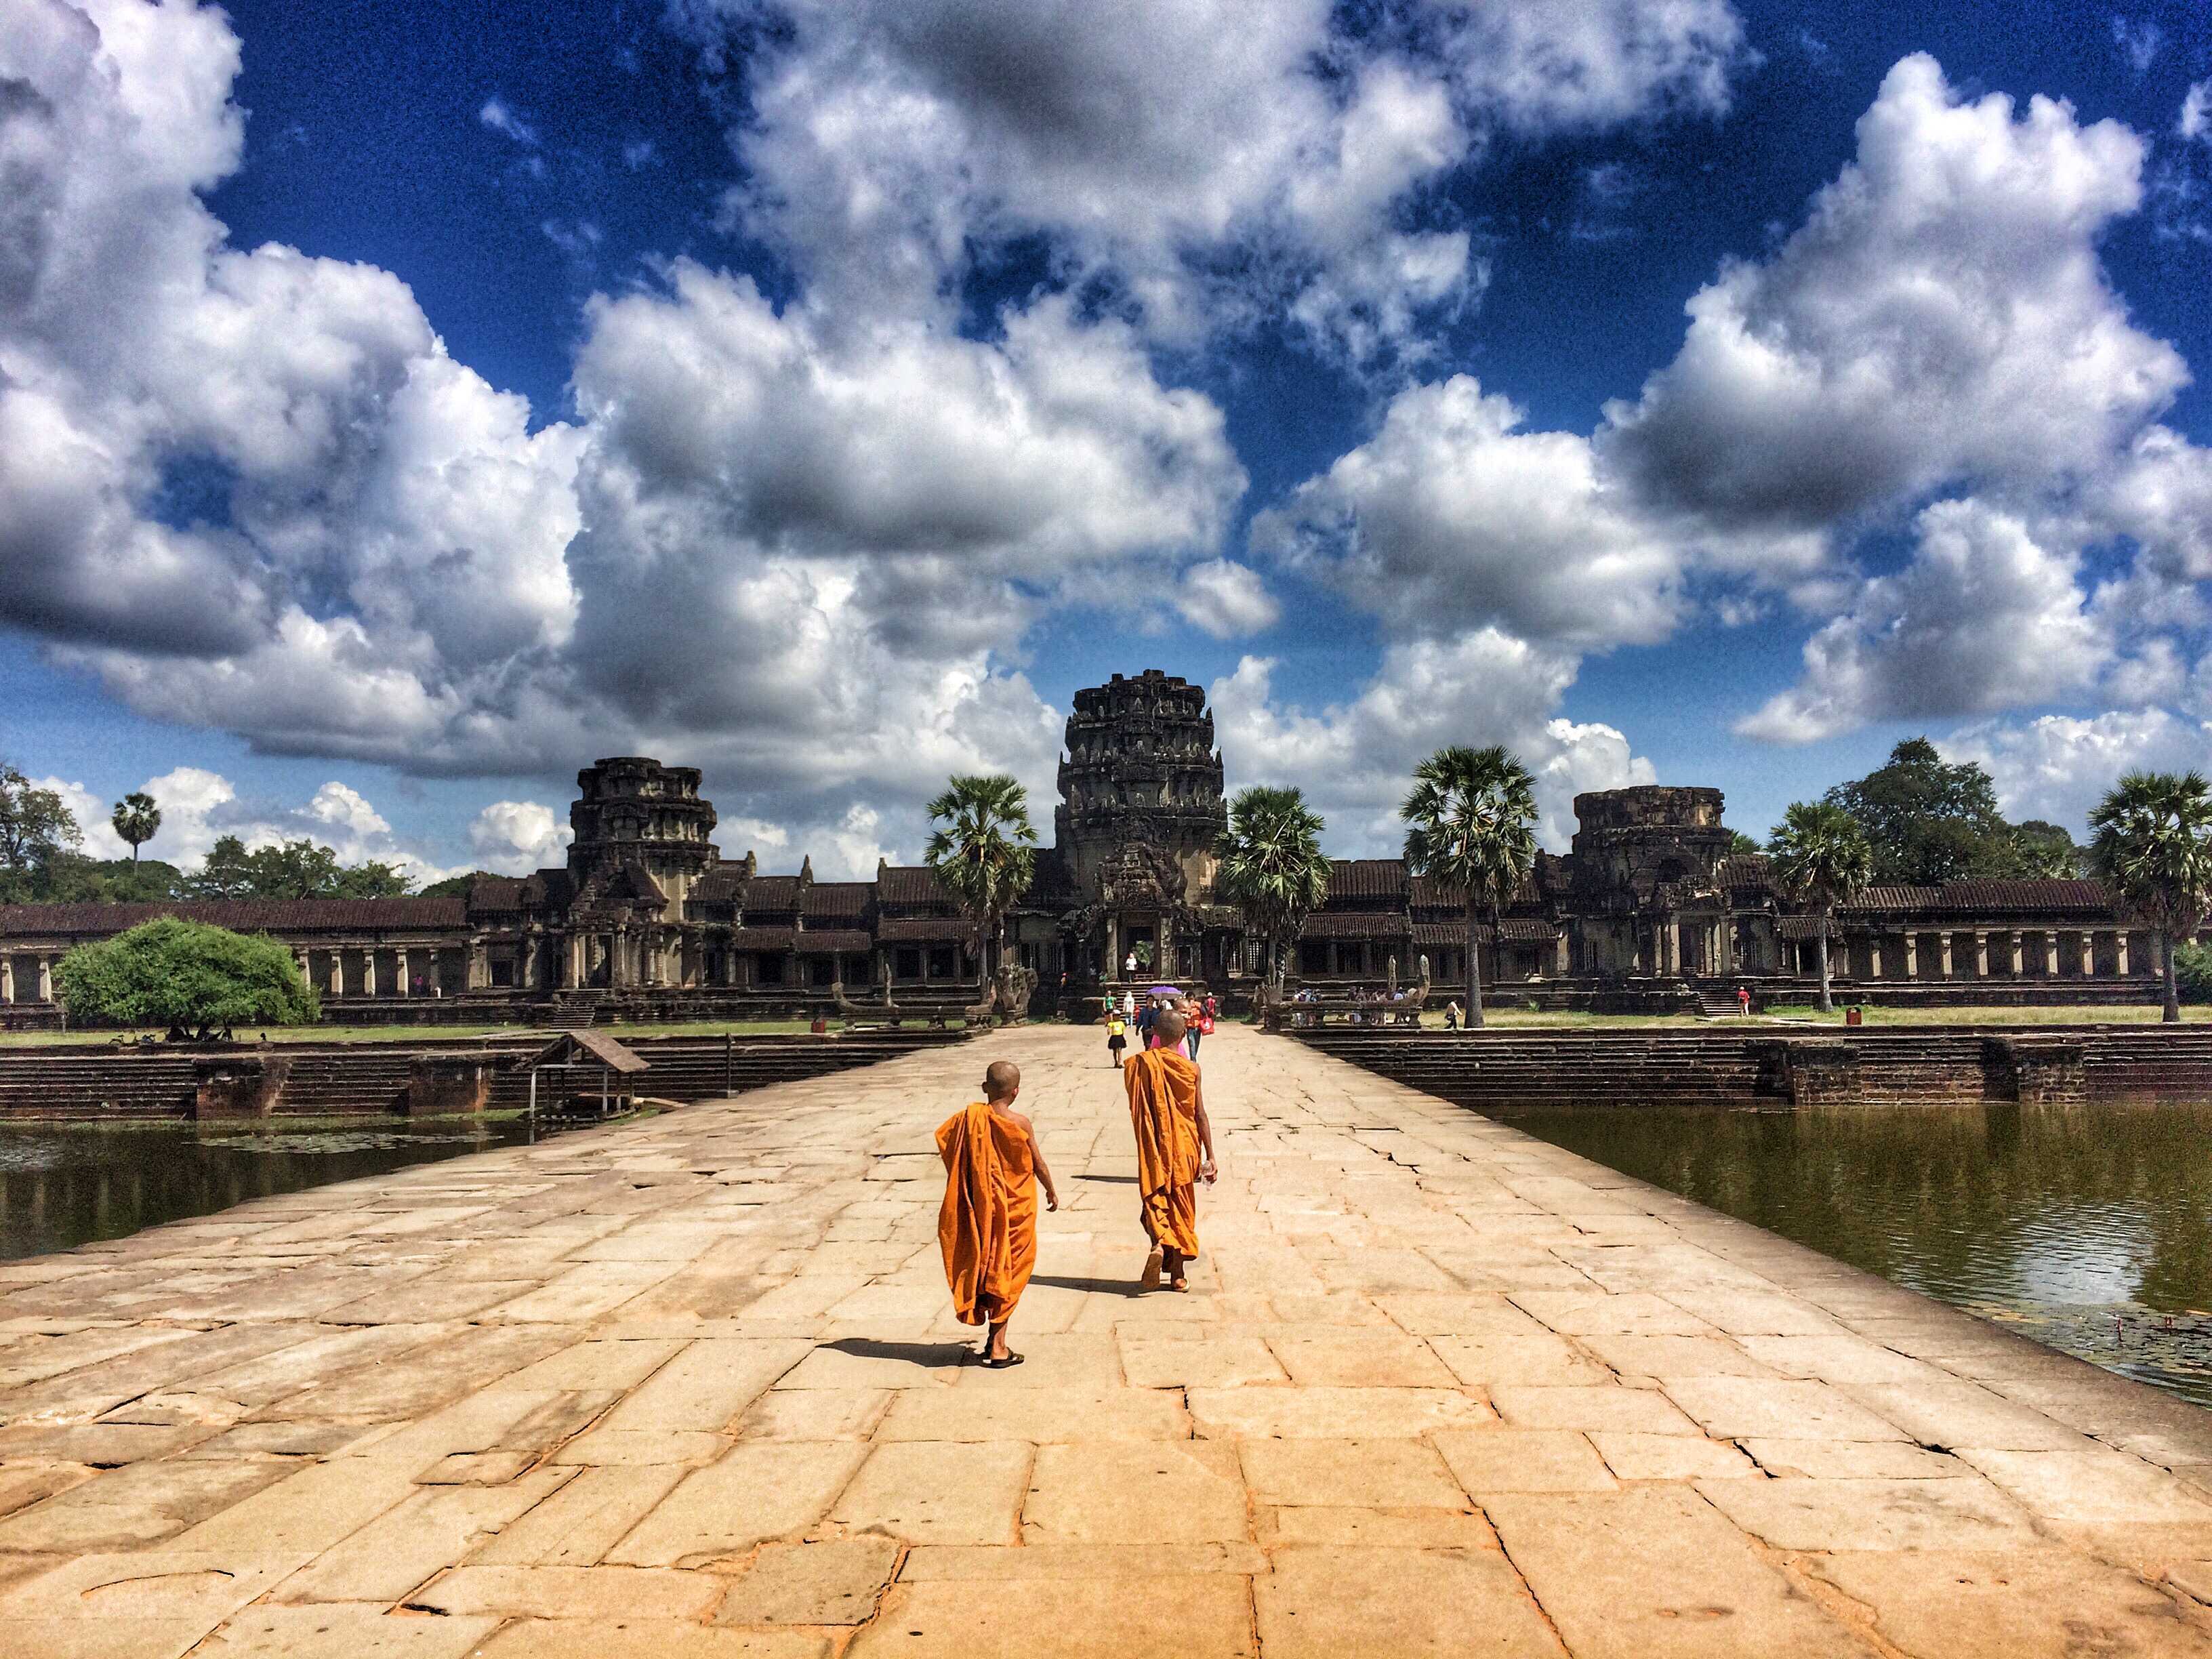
(588, 1052)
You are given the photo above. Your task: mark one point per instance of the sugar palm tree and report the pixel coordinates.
(1821, 857)
(984, 853)
(1470, 824)
(137, 819)
(2151, 842)
(1272, 868)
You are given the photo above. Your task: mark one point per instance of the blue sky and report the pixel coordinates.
(405, 404)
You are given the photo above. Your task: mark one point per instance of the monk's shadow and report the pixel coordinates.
(931, 1356)
(1101, 1286)
(1117, 1181)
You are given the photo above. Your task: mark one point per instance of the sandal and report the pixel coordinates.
(1149, 1278)
(1007, 1364)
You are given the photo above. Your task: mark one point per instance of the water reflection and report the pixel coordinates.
(60, 1188)
(2089, 1228)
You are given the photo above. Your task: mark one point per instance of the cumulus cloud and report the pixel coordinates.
(1451, 517)
(2058, 767)
(1941, 316)
(1353, 758)
(1215, 160)
(1227, 600)
(517, 837)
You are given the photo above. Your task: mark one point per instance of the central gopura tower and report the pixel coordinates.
(1141, 810)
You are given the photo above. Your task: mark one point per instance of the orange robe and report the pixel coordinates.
(987, 1225)
(1163, 1107)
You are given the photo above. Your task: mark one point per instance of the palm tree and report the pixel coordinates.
(2151, 842)
(137, 819)
(1821, 856)
(1470, 824)
(1272, 866)
(984, 853)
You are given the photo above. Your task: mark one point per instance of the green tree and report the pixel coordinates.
(984, 853)
(1272, 868)
(290, 870)
(73, 879)
(1741, 844)
(2045, 851)
(137, 819)
(2151, 842)
(1822, 859)
(1926, 821)
(170, 971)
(456, 886)
(37, 831)
(1470, 824)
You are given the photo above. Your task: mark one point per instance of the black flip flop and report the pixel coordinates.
(1007, 1364)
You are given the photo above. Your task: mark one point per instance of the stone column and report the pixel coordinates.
(2088, 954)
(1912, 955)
(1874, 954)
(2050, 953)
(1673, 945)
(1564, 954)
(1981, 954)
(7, 978)
(46, 979)
(368, 971)
(2018, 950)
(402, 971)
(480, 965)
(1944, 959)
(306, 973)
(2120, 952)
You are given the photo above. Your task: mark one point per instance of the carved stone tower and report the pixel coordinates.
(636, 816)
(1139, 810)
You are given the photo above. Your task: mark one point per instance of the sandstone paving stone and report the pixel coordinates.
(1374, 1529)
(1740, 1407)
(279, 1439)
(597, 1365)
(1333, 1413)
(1651, 1572)
(139, 1504)
(832, 1582)
(1036, 1415)
(1633, 1411)
(994, 1564)
(1647, 1357)
(2025, 1604)
(1380, 1474)
(564, 1592)
(24, 1484)
(1224, 1362)
(1504, 1346)
(1321, 1602)
(1963, 1512)
(157, 1585)
(1851, 1460)
(1595, 1312)
(1499, 1459)
(76, 1637)
(1839, 1358)
(392, 1554)
(816, 1413)
(706, 1386)
(579, 1522)
(1671, 1457)
(309, 1509)
(1330, 1357)
(938, 1493)
(757, 1490)
(336, 1631)
(1072, 1619)
(2094, 1484)
(1186, 1492)
(875, 1365)
(105, 1444)
(1952, 1413)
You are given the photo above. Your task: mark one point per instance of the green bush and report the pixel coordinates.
(172, 972)
(2192, 972)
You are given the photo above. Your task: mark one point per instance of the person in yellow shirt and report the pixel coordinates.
(1175, 1150)
(987, 1224)
(1117, 1038)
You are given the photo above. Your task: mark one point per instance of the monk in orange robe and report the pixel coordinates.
(987, 1224)
(1175, 1149)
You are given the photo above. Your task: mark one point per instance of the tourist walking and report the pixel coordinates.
(1201, 1023)
(1146, 1016)
(1451, 1016)
(1129, 966)
(987, 1226)
(1117, 1039)
(1743, 1000)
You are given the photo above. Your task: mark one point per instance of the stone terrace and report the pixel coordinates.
(689, 1387)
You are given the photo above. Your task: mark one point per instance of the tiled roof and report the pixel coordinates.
(723, 884)
(495, 894)
(923, 930)
(1899, 898)
(1988, 896)
(1357, 924)
(822, 941)
(243, 915)
(773, 895)
(1359, 879)
(910, 884)
(1744, 870)
(762, 939)
(838, 898)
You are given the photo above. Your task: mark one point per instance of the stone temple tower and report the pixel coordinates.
(632, 817)
(1139, 810)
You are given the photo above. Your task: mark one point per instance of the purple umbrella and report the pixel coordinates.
(1163, 991)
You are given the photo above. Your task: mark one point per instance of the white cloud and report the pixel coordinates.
(1227, 600)
(1941, 315)
(1354, 758)
(91, 813)
(1451, 517)
(500, 118)
(1982, 619)
(519, 837)
(2140, 41)
(1213, 159)
(2196, 119)
(2058, 767)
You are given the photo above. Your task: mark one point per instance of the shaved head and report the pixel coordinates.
(1001, 1078)
(1170, 1025)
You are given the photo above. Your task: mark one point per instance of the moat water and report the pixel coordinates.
(2089, 1229)
(60, 1188)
